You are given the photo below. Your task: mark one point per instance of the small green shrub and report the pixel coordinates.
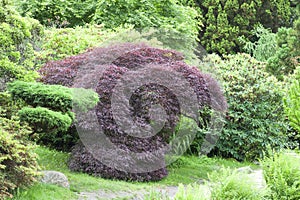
(255, 118)
(57, 98)
(18, 39)
(192, 135)
(44, 120)
(282, 174)
(54, 97)
(18, 166)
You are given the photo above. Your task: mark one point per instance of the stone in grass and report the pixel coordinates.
(246, 170)
(56, 178)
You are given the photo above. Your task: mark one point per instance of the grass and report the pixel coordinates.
(45, 192)
(186, 170)
(190, 169)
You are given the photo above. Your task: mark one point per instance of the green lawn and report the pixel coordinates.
(187, 169)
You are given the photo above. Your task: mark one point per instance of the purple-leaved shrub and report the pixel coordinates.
(104, 68)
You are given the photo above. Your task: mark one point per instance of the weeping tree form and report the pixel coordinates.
(104, 68)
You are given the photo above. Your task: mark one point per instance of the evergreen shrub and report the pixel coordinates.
(255, 118)
(18, 166)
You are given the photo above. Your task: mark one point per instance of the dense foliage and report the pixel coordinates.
(9, 107)
(59, 43)
(225, 21)
(177, 24)
(255, 118)
(45, 120)
(59, 13)
(280, 50)
(18, 166)
(54, 97)
(139, 58)
(18, 37)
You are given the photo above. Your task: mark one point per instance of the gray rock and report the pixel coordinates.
(258, 178)
(246, 170)
(56, 178)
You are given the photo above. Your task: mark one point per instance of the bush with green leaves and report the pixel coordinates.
(192, 134)
(51, 117)
(18, 166)
(58, 43)
(255, 117)
(282, 175)
(59, 13)
(18, 39)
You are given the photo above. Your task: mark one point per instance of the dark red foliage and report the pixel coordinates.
(83, 161)
(62, 72)
(138, 58)
(119, 61)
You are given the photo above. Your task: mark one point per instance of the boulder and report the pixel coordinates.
(56, 178)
